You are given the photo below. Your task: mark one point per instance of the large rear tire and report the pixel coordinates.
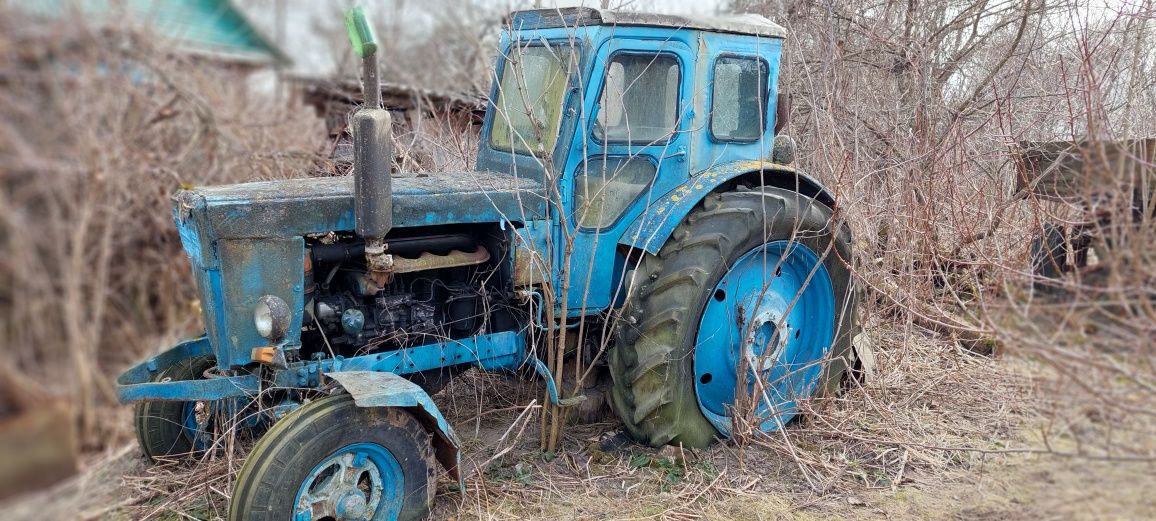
(693, 278)
(331, 459)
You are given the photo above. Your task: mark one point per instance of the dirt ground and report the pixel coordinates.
(937, 434)
(1008, 487)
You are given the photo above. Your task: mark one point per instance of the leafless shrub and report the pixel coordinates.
(914, 112)
(99, 128)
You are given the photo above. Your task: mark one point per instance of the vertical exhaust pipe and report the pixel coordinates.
(372, 185)
(372, 149)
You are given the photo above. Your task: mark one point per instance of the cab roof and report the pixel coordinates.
(746, 24)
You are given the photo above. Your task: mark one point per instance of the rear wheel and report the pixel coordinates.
(749, 292)
(171, 429)
(332, 460)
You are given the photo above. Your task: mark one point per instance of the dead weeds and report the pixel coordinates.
(939, 433)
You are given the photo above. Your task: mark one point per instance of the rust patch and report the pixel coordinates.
(527, 272)
(378, 279)
(432, 261)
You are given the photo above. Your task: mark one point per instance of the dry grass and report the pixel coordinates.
(930, 416)
(933, 417)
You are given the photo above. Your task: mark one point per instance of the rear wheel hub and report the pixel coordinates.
(768, 323)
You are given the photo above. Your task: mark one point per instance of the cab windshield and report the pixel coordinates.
(529, 100)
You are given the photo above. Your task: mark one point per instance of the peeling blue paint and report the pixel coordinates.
(493, 351)
(136, 385)
(505, 350)
(377, 389)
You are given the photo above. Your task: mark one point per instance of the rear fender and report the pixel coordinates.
(379, 389)
(650, 230)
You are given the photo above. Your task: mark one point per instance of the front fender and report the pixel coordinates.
(650, 230)
(379, 389)
(138, 383)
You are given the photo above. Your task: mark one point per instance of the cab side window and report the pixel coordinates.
(739, 99)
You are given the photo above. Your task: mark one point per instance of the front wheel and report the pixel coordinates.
(749, 294)
(332, 460)
(175, 429)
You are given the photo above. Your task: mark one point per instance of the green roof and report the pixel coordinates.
(213, 27)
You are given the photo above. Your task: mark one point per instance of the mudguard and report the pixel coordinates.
(379, 389)
(650, 230)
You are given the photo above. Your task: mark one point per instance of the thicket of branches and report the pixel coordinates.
(913, 112)
(98, 129)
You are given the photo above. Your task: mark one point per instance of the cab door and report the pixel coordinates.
(635, 149)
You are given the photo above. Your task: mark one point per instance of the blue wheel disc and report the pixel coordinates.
(358, 482)
(772, 315)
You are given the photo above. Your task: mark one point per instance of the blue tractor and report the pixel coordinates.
(632, 182)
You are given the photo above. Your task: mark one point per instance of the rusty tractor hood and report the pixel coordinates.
(296, 207)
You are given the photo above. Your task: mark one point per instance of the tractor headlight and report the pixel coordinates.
(271, 316)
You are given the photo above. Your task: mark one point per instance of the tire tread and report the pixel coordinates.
(653, 393)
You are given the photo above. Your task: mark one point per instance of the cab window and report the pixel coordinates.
(639, 100)
(606, 187)
(529, 102)
(739, 99)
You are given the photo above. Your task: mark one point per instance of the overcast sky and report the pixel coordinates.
(312, 56)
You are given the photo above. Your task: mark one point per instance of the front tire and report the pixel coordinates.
(671, 382)
(170, 429)
(330, 459)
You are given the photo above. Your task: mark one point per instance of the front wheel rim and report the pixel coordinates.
(753, 319)
(196, 418)
(359, 482)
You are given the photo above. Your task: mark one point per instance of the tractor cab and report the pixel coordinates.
(615, 113)
(578, 83)
(579, 89)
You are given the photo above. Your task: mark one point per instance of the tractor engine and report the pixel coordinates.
(440, 288)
